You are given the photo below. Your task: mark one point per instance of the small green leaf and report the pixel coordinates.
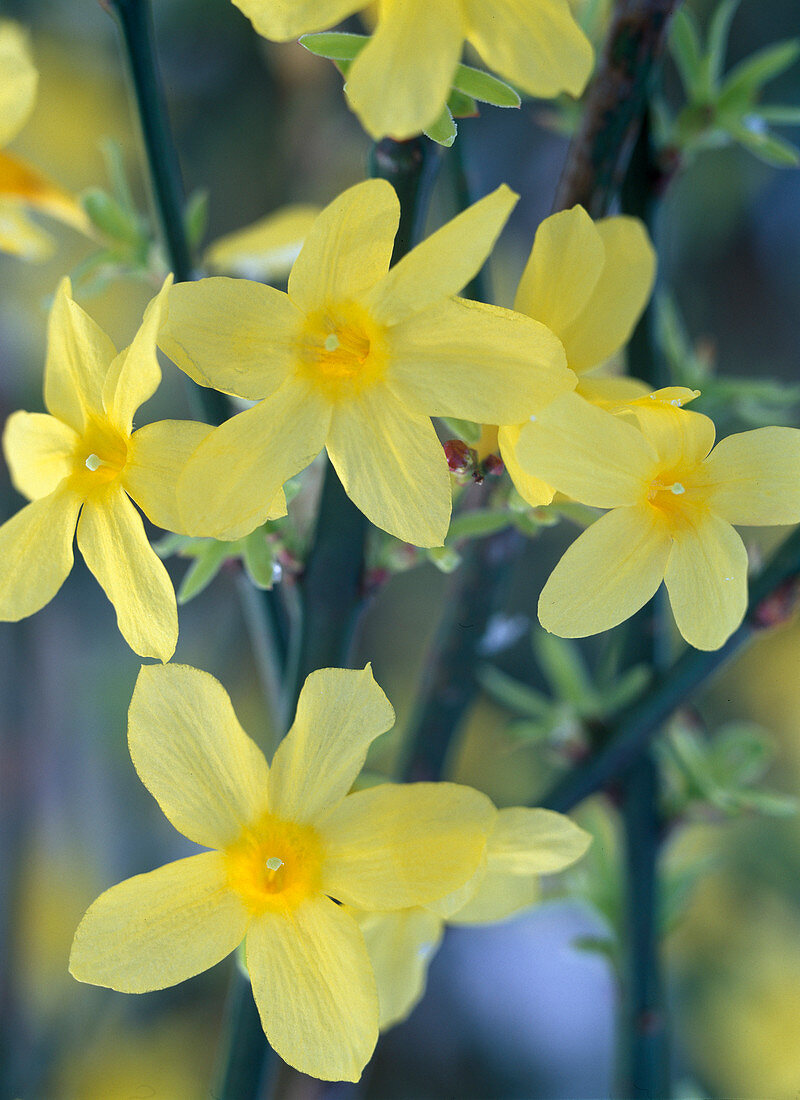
(171, 544)
(745, 81)
(109, 217)
(195, 217)
(445, 558)
(769, 803)
(718, 35)
(484, 87)
(779, 115)
(114, 160)
(477, 524)
(444, 129)
(564, 668)
(461, 106)
(463, 429)
(202, 571)
(258, 559)
(686, 51)
(773, 150)
(336, 46)
(512, 694)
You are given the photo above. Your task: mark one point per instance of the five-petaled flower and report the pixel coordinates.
(357, 357)
(673, 501)
(399, 83)
(290, 843)
(84, 459)
(22, 186)
(523, 844)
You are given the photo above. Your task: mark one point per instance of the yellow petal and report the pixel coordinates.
(499, 895)
(390, 847)
(36, 552)
(476, 362)
(534, 43)
(588, 454)
(38, 450)
(400, 946)
(681, 438)
(443, 263)
(283, 20)
(157, 454)
(231, 334)
(314, 988)
(340, 712)
(706, 579)
(23, 184)
(18, 86)
(608, 573)
(348, 248)
(135, 375)
(393, 87)
(190, 752)
(611, 392)
(78, 357)
(230, 484)
(19, 236)
(564, 266)
(754, 477)
(619, 297)
(534, 842)
(115, 548)
(160, 928)
(392, 466)
(532, 489)
(267, 249)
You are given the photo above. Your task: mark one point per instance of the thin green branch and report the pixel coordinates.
(598, 158)
(644, 1068)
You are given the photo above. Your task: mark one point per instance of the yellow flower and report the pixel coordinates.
(21, 185)
(523, 844)
(399, 83)
(287, 840)
(83, 458)
(356, 358)
(588, 282)
(267, 249)
(673, 501)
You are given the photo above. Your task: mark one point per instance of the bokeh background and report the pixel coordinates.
(516, 1010)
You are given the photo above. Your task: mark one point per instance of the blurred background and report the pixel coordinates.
(514, 1010)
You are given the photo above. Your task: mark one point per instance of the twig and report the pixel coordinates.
(615, 105)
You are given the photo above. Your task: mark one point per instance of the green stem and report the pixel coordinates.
(771, 596)
(644, 1071)
(616, 102)
(136, 27)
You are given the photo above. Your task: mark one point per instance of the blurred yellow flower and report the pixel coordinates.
(399, 82)
(267, 249)
(673, 502)
(288, 840)
(588, 282)
(356, 358)
(84, 459)
(523, 844)
(22, 186)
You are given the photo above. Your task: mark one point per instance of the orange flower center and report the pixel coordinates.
(99, 457)
(275, 864)
(342, 352)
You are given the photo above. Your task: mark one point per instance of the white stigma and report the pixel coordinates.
(94, 463)
(332, 342)
(532, 419)
(274, 864)
(677, 489)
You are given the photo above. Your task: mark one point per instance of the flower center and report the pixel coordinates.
(100, 456)
(275, 864)
(341, 352)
